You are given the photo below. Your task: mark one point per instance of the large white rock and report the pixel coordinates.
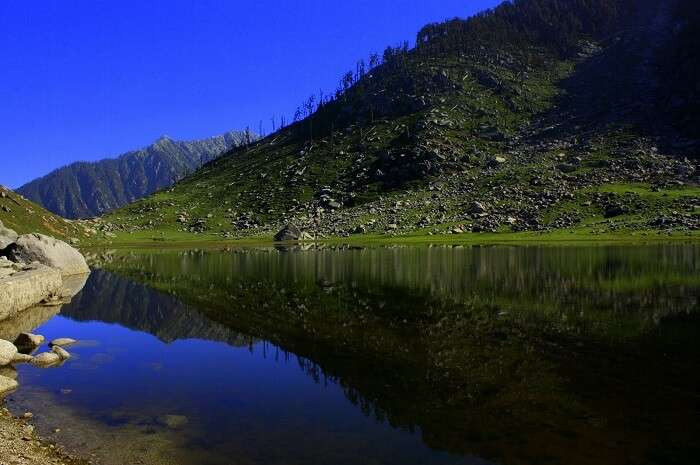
(7, 352)
(7, 385)
(49, 251)
(7, 236)
(28, 288)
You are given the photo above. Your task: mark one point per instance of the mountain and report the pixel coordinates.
(535, 116)
(88, 189)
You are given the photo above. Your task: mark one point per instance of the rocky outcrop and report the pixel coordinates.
(7, 236)
(48, 251)
(26, 288)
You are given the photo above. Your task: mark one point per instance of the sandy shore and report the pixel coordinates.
(20, 445)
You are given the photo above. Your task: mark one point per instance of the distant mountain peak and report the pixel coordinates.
(89, 189)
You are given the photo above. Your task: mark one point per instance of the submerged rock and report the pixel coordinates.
(21, 358)
(7, 352)
(173, 421)
(61, 352)
(62, 342)
(48, 251)
(46, 360)
(7, 385)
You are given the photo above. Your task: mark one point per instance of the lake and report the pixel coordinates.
(387, 355)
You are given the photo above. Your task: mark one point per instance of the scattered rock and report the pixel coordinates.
(62, 342)
(476, 208)
(61, 352)
(22, 358)
(612, 211)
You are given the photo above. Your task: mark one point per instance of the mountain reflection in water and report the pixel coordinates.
(518, 355)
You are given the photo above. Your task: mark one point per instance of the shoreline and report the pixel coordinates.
(20, 444)
(553, 238)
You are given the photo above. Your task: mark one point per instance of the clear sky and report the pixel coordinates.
(89, 79)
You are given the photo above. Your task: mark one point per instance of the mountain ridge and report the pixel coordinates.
(90, 188)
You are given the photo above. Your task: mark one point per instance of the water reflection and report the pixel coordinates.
(516, 355)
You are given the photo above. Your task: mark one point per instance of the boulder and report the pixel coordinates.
(49, 251)
(29, 341)
(27, 288)
(7, 352)
(288, 233)
(7, 385)
(477, 208)
(62, 342)
(613, 210)
(7, 236)
(46, 360)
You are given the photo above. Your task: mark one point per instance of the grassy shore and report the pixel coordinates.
(559, 237)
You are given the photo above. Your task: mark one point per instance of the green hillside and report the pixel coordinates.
(541, 115)
(24, 217)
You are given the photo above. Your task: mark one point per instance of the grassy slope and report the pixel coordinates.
(25, 217)
(569, 151)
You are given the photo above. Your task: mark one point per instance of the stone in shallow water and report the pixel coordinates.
(62, 342)
(22, 358)
(61, 352)
(7, 352)
(29, 340)
(46, 360)
(173, 421)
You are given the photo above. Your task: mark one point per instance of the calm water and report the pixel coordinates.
(378, 356)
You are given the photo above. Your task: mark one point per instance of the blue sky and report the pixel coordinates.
(89, 79)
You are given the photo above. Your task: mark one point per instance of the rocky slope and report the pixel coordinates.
(540, 115)
(88, 189)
